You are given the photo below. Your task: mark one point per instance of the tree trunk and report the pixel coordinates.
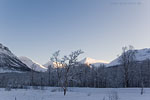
(49, 78)
(65, 91)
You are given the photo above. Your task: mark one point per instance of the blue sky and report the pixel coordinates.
(37, 28)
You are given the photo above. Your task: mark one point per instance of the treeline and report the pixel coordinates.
(68, 73)
(83, 76)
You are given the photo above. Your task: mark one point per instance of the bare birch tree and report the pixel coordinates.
(33, 67)
(126, 60)
(63, 67)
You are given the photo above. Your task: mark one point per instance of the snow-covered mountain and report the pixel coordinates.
(53, 64)
(140, 55)
(9, 62)
(89, 61)
(32, 64)
(49, 63)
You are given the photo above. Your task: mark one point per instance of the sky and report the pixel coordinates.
(37, 28)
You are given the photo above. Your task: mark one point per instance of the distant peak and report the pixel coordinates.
(140, 55)
(30, 63)
(89, 60)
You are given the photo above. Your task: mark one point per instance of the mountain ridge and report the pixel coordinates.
(32, 64)
(90, 61)
(9, 62)
(140, 55)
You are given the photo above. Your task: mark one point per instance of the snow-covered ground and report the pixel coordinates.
(75, 94)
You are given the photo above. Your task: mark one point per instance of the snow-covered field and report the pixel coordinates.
(75, 94)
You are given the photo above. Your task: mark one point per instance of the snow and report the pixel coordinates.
(87, 61)
(140, 55)
(114, 62)
(25, 60)
(48, 64)
(30, 63)
(5, 50)
(75, 94)
(90, 61)
(53, 64)
(8, 60)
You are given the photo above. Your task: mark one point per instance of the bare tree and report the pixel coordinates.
(141, 80)
(41, 83)
(144, 72)
(49, 75)
(33, 67)
(126, 60)
(57, 65)
(63, 67)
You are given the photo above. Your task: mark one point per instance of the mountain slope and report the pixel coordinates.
(53, 64)
(9, 62)
(32, 64)
(140, 55)
(90, 61)
(49, 63)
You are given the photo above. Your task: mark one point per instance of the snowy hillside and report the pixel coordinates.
(53, 64)
(9, 62)
(48, 64)
(90, 61)
(140, 55)
(6, 51)
(32, 64)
